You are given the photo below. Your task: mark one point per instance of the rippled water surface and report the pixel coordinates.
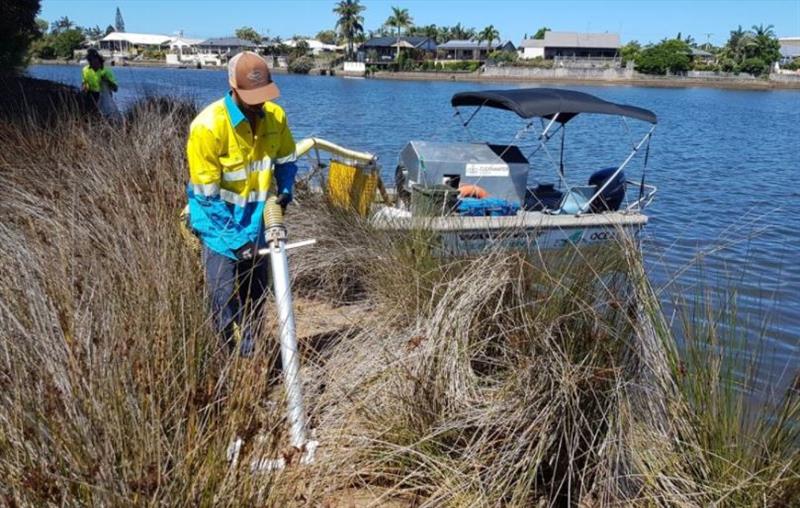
(727, 165)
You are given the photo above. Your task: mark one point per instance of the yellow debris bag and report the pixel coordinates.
(352, 187)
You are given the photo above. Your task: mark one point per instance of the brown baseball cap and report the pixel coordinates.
(249, 75)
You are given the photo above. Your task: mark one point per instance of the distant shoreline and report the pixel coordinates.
(674, 82)
(654, 82)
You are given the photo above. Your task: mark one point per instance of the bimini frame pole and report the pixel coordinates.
(645, 139)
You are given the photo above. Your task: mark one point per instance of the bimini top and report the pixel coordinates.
(546, 102)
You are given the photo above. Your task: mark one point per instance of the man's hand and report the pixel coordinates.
(284, 198)
(246, 252)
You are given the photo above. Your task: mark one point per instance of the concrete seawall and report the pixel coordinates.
(606, 77)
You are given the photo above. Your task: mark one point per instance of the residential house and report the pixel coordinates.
(700, 55)
(316, 47)
(531, 48)
(224, 47)
(790, 49)
(183, 50)
(127, 44)
(572, 45)
(384, 49)
(471, 50)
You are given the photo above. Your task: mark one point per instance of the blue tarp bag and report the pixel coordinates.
(486, 207)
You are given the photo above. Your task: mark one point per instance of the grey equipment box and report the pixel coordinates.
(501, 170)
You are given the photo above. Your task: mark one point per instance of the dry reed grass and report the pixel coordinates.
(485, 381)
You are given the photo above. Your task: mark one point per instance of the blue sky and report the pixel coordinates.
(641, 20)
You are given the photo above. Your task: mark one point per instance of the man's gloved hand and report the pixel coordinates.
(284, 198)
(246, 252)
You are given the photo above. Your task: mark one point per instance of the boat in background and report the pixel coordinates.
(476, 195)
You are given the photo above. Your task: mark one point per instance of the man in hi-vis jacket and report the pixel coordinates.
(240, 151)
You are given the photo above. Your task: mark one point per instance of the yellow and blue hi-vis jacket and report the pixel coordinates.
(231, 173)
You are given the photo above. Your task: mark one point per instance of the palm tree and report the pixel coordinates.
(738, 43)
(62, 24)
(350, 22)
(765, 45)
(401, 20)
(459, 32)
(488, 34)
(762, 35)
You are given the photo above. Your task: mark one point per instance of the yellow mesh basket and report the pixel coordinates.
(352, 187)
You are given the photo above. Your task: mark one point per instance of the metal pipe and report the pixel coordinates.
(290, 357)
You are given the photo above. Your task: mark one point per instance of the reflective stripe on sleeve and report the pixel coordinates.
(208, 189)
(239, 200)
(285, 160)
(261, 165)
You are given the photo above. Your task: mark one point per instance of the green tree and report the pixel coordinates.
(18, 28)
(488, 34)
(443, 34)
(248, 34)
(350, 22)
(765, 45)
(300, 48)
(461, 33)
(399, 20)
(668, 55)
(94, 33)
(61, 24)
(630, 51)
(119, 23)
(750, 51)
(738, 43)
(67, 41)
(109, 29)
(326, 36)
(43, 26)
(431, 31)
(540, 32)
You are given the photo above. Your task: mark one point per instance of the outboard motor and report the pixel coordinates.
(612, 196)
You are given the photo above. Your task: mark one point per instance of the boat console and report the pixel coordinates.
(501, 170)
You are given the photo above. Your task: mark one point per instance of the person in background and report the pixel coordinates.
(240, 151)
(95, 76)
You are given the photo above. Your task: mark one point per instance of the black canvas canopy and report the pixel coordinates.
(546, 102)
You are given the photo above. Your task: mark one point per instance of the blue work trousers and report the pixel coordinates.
(236, 289)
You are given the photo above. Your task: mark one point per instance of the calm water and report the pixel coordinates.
(727, 165)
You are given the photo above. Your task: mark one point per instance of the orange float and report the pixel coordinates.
(472, 191)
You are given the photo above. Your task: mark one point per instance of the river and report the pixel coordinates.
(726, 216)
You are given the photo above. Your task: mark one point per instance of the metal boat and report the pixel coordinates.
(478, 194)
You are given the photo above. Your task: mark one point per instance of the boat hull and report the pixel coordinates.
(529, 231)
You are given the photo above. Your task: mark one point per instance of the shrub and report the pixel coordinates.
(754, 66)
(793, 65)
(153, 54)
(729, 65)
(538, 62)
(301, 65)
(704, 66)
(670, 55)
(461, 65)
(498, 56)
